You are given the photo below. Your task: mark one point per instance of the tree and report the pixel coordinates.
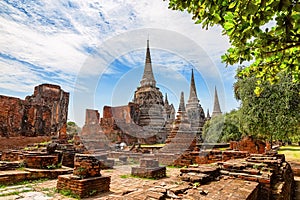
(223, 128)
(72, 129)
(275, 113)
(265, 33)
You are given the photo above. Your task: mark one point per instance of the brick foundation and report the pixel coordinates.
(83, 187)
(86, 179)
(11, 155)
(86, 166)
(149, 168)
(249, 144)
(40, 161)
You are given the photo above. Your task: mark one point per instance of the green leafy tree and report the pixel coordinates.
(266, 33)
(223, 128)
(275, 113)
(72, 129)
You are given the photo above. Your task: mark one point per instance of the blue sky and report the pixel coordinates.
(96, 50)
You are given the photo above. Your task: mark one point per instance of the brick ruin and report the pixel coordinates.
(249, 144)
(86, 179)
(149, 118)
(263, 177)
(119, 123)
(42, 114)
(243, 172)
(149, 168)
(36, 163)
(92, 137)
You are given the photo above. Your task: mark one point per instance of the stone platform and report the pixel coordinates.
(149, 168)
(83, 187)
(14, 176)
(86, 179)
(203, 174)
(40, 161)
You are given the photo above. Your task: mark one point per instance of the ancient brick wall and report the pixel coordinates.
(249, 144)
(41, 161)
(11, 114)
(119, 112)
(92, 116)
(43, 113)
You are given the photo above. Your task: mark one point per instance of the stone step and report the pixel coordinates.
(249, 177)
(195, 177)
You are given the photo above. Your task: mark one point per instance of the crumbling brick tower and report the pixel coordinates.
(43, 113)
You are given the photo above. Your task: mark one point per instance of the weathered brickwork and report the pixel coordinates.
(117, 123)
(249, 144)
(83, 187)
(43, 113)
(86, 166)
(86, 179)
(270, 170)
(11, 155)
(92, 136)
(149, 168)
(257, 177)
(41, 161)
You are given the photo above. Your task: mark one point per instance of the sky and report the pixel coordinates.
(96, 51)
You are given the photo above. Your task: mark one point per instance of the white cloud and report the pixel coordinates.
(69, 39)
(17, 76)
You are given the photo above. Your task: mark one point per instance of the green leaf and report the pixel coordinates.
(232, 4)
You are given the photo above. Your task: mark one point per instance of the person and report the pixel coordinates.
(123, 145)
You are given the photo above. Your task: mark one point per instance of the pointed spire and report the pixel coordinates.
(148, 77)
(207, 115)
(181, 104)
(193, 93)
(217, 109)
(166, 100)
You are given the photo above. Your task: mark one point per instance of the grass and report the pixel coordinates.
(291, 152)
(223, 148)
(152, 145)
(68, 193)
(125, 176)
(133, 176)
(14, 193)
(108, 170)
(173, 167)
(26, 182)
(50, 192)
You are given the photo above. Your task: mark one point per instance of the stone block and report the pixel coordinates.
(86, 165)
(149, 163)
(41, 161)
(123, 159)
(84, 187)
(156, 173)
(43, 113)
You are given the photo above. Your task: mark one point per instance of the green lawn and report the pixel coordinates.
(291, 152)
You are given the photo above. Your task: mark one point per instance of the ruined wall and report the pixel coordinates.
(11, 115)
(117, 122)
(92, 135)
(249, 144)
(92, 117)
(127, 113)
(43, 113)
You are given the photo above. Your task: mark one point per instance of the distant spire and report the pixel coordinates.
(217, 109)
(166, 100)
(148, 77)
(207, 115)
(193, 93)
(181, 104)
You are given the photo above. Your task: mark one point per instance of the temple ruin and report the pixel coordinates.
(42, 114)
(149, 118)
